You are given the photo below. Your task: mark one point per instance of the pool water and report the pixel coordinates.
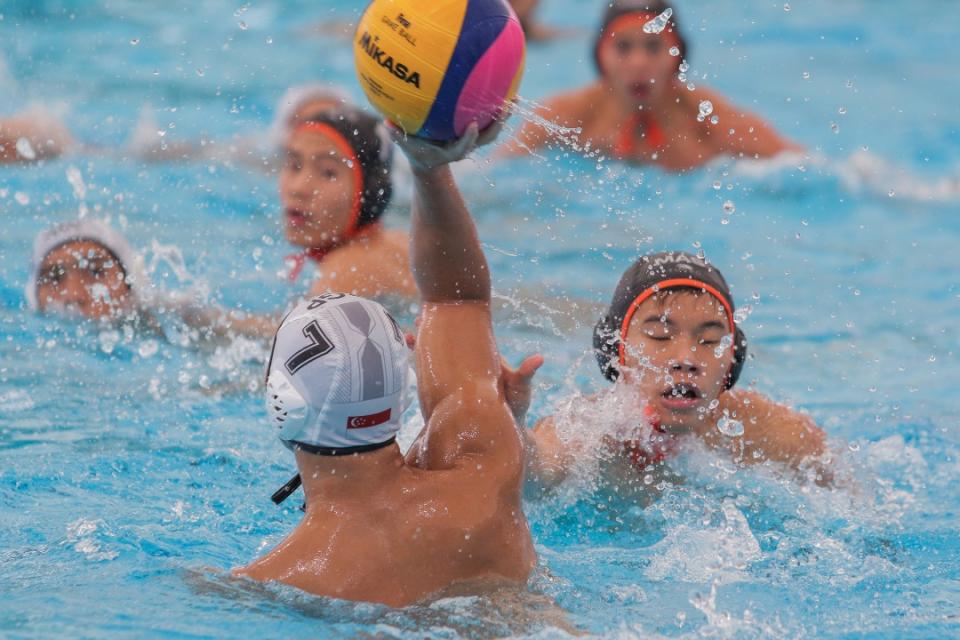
(131, 463)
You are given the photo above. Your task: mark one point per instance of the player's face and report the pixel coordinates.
(83, 278)
(678, 356)
(317, 190)
(638, 65)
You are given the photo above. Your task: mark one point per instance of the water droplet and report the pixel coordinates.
(684, 67)
(786, 7)
(806, 75)
(658, 24)
(854, 446)
(714, 119)
(674, 51)
(25, 149)
(730, 427)
(725, 343)
(834, 127)
(75, 178)
(148, 348)
(932, 358)
(724, 221)
(706, 108)
(891, 193)
(21, 198)
(108, 340)
(717, 185)
(269, 40)
(200, 72)
(729, 207)
(242, 25)
(134, 41)
(842, 111)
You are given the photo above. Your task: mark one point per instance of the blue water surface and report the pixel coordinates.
(135, 468)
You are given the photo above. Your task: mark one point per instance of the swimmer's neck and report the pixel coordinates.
(361, 238)
(329, 479)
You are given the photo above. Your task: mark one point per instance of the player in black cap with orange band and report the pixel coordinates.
(671, 345)
(640, 110)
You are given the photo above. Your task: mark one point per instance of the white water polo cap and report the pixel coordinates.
(92, 230)
(337, 376)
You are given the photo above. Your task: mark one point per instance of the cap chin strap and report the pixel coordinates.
(294, 483)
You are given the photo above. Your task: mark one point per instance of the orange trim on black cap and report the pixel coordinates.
(344, 147)
(626, 20)
(663, 285)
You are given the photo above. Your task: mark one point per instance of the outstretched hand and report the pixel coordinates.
(426, 154)
(518, 385)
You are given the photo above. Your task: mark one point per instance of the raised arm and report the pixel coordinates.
(458, 365)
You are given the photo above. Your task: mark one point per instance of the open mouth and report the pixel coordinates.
(295, 218)
(640, 89)
(683, 395)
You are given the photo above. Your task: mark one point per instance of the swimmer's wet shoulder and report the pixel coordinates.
(378, 528)
(375, 265)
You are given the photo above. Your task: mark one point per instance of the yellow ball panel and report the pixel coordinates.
(402, 52)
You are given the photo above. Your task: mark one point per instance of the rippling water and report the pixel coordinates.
(132, 462)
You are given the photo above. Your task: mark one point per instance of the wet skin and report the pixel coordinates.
(317, 190)
(639, 78)
(676, 364)
(674, 360)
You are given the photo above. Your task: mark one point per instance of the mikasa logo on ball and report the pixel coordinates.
(400, 70)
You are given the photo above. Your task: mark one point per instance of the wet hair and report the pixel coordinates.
(371, 144)
(618, 8)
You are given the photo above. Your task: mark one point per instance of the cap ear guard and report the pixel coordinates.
(739, 358)
(286, 407)
(606, 346)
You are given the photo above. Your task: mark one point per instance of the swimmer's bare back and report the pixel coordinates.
(451, 511)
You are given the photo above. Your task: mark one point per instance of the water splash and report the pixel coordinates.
(83, 535)
(706, 108)
(729, 427)
(658, 24)
(25, 149)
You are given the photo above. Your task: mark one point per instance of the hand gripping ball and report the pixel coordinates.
(434, 66)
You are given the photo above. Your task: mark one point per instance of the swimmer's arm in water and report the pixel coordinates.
(548, 459)
(46, 135)
(776, 432)
(458, 364)
(223, 323)
(752, 136)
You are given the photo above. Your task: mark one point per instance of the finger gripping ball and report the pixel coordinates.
(434, 66)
